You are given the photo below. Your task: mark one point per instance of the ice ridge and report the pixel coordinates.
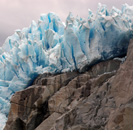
(52, 46)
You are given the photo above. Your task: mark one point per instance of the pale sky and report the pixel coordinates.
(16, 14)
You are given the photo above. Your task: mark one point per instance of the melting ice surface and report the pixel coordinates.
(52, 46)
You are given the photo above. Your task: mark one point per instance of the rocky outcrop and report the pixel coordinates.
(30, 106)
(100, 98)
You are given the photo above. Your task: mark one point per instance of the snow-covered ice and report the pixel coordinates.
(52, 46)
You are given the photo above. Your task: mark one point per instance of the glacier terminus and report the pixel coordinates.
(52, 46)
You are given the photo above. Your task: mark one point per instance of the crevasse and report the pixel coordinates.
(52, 46)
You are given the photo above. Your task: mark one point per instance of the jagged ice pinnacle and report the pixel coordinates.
(52, 46)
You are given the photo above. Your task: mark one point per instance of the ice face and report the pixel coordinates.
(52, 46)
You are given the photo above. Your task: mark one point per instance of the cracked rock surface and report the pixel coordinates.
(98, 99)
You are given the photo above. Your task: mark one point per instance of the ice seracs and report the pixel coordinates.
(52, 46)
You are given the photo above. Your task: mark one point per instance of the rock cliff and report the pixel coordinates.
(100, 98)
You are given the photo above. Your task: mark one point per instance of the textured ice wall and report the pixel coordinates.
(52, 46)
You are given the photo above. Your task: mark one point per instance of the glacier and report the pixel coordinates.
(53, 46)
